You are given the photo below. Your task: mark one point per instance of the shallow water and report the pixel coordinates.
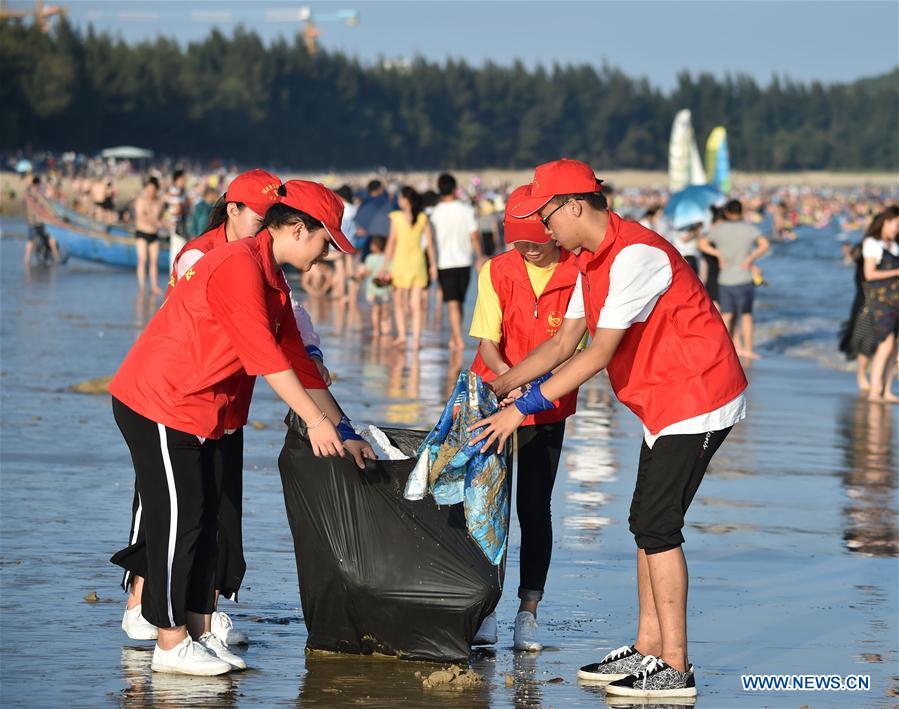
(792, 540)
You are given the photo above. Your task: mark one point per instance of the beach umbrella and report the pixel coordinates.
(692, 205)
(127, 152)
(23, 166)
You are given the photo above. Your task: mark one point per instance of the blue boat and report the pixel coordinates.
(84, 238)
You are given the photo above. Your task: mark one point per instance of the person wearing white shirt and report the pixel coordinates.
(670, 360)
(458, 243)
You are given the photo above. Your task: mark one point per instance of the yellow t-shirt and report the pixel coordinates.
(487, 321)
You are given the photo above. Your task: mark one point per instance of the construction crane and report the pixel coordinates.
(311, 33)
(42, 13)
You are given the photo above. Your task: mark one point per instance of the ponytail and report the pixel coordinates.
(218, 215)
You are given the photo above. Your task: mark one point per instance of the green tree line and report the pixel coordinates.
(237, 98)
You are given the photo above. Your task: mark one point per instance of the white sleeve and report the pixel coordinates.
(872, 248)
(639, 275)
(188, 259)
(304, 323)
(472, 220)
(576, 303)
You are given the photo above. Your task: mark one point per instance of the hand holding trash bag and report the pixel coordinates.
(324, 438)
(360, 450)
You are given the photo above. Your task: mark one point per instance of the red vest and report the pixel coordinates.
(681, 362)
(529, 321)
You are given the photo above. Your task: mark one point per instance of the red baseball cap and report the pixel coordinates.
(557, 177)
(528, 228)
(257, 189)
(319, 202)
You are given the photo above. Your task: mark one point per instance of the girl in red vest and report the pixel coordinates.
(178, 389)
(522, 298)
(238, 214)
(670, 360)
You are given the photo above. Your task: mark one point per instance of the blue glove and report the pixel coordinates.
(533, 401)
(314, 351)
(346, 432)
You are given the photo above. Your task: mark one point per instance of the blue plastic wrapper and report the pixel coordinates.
(452, 470)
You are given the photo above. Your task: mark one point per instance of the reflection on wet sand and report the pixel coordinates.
(869, 434)
(169, 691)
(371, 681)
(590, 463)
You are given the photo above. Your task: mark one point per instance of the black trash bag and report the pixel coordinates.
(377, 572)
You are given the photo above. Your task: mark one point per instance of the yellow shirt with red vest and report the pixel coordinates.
(679, 362)
(532, 301)
(229, 317)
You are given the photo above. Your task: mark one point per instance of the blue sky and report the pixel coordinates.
(803, 40)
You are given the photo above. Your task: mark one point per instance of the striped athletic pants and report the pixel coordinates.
(177, 553)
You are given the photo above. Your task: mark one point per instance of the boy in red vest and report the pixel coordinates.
(670, 360)
(522, 297)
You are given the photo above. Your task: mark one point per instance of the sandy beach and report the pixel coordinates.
(792, 541)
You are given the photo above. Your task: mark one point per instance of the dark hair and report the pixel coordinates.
(345, 192)
(429, 199)
(717, 213)
(414, 201)
(651, 212)
(446, 184)
(152, 181)
(875, 228)
(596, 200)
(177, 174)
(36, 180)
(280, 214)
(379, 241)
(374, 186)
(219, 213)
(734, 207)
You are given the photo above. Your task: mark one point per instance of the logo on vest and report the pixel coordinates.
(553, 321)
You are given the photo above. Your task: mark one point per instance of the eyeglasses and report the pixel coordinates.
(546, 219)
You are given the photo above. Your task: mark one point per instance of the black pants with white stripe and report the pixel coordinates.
(176, 552)
(226, 458)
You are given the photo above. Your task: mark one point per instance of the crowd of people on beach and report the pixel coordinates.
(173, 207)
(667, 314)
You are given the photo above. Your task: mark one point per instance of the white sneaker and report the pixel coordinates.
(486, 634)
(136, 626)
(221, 651)
(223, 628)
(188, 658)
(525, 637)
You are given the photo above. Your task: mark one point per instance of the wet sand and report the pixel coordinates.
(792, 540)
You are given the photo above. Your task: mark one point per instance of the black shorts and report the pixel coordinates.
(146, 236)
(668, 477)
(38, 234)
(454, 283)
(736, 299)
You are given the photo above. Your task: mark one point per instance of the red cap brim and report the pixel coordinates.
(528, 206)
(339, 240)
(531, 231)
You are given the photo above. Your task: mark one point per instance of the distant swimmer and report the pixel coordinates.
(147, 221)
(39, 243)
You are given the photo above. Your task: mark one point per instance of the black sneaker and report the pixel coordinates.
(655, 678)
(618, 664)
